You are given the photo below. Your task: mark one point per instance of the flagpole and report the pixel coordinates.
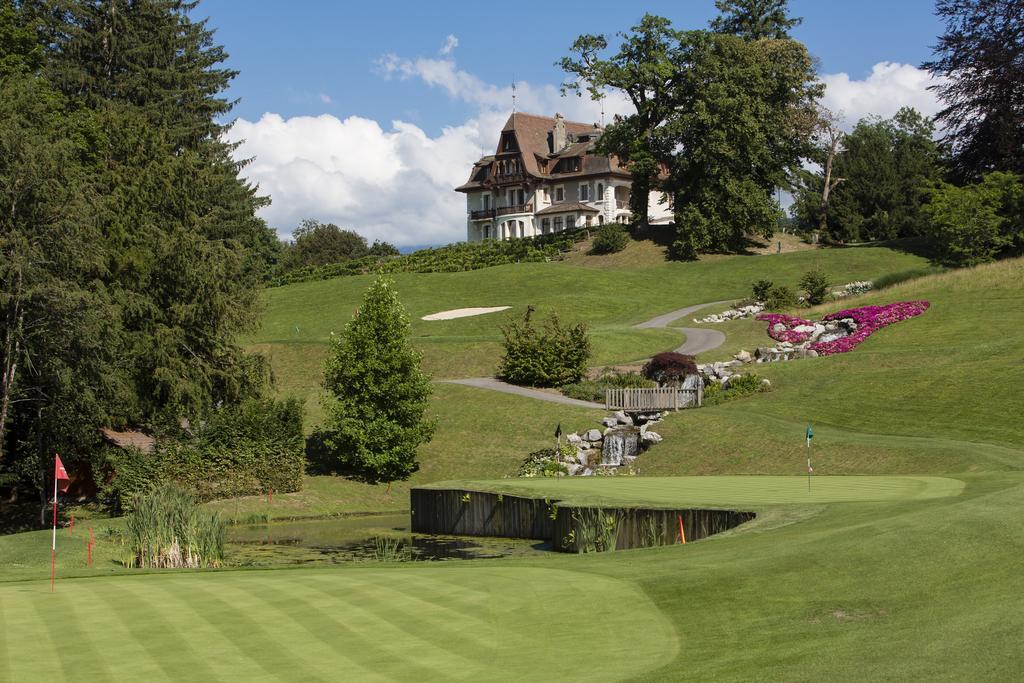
(53, 546)
(808, 464)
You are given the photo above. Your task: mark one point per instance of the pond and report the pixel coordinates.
(357, 539)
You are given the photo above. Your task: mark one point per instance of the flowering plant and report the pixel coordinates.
(866, 318)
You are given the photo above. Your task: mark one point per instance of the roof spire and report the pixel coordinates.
(513, 95)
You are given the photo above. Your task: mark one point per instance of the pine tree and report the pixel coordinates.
(754, 19)
(376, 393)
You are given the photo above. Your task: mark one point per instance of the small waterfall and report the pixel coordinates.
(620, 443)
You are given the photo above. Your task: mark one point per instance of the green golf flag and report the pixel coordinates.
(810, 434)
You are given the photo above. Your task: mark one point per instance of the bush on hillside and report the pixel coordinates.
(317, 244)
(737, 387)
(977, 223)
(815, 286)
(780, 297)
(610, 238)
(383, 249)
(759, 290)
(248, 449)
(594, 389)
(548, 356)
(670, 368)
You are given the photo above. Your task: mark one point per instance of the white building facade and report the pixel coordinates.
(545, 178)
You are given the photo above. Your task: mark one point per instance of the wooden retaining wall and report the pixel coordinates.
(459, 512)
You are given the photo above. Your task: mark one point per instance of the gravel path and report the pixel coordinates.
(698, 340)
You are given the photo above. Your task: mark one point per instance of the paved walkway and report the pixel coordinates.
(698, 340)
(498, 385)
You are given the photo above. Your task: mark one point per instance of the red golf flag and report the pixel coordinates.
(61, 476)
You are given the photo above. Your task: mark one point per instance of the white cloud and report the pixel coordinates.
(888, 87)
(396, 183)
(450, 43)
(325, 98)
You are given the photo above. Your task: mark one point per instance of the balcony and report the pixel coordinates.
(516, 177)
(515, 208)
(481, 214)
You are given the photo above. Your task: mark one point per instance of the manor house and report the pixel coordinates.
(545, 177)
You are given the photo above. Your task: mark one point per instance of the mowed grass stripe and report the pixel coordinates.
(165, 623)
(364, 646)
(242, 622)
(410, 635)
(722, 491)
(271, 605)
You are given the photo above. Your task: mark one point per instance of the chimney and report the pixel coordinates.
(558, 138)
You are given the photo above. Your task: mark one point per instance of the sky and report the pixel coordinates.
(367, 114)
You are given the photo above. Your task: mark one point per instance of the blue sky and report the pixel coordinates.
(371, 82)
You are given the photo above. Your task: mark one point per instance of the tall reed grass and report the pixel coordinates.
(594, 530)
(168, 529)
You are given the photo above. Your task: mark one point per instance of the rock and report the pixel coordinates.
(573, 468)
(609, 422)
(574, 439)
(761, 352)
(766, 383)
(587, 472)
(778, 327)
(592, 435)
(804, 329)
(623, 419)
(743, 357)
(583, 457)
(650, 437)
(811, 353)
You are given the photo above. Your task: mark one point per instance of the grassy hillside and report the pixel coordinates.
(300, 318)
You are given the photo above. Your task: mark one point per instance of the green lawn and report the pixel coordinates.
(877, 577)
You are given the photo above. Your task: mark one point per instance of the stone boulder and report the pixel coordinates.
(592, 435)
(650, 437)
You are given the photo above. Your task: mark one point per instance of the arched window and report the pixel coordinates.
(600, 192)
(600, 219)
(522, 229)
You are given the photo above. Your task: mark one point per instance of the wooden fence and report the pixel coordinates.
(657, 398)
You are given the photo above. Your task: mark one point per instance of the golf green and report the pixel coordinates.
(718, 491)
(425, 623)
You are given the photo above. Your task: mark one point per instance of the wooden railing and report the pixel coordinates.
(515, 208)
(657, 398)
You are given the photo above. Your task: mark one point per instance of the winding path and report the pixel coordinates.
(698, 340)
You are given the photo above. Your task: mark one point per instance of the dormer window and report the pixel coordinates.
(508, 143)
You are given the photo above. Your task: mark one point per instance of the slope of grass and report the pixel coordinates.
(300, 318)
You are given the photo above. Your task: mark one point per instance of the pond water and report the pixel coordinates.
(356, 539)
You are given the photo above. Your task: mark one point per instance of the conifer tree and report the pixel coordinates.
(376, 393)
(754, 19)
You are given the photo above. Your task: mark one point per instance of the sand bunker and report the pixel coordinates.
(463, 313)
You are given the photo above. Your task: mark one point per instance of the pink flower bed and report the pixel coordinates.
(867, 318)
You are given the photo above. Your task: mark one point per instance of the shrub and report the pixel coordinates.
(542, 463)
(551, 356)
(815, 285)
(670, 368)
(738, 386)
(610, 238)
(977, 223)
(759, 290)
(168, 529)
(594, 389)
(780, 297)
(239, 450)
(376, 393)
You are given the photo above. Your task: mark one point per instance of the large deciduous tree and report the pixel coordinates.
(979, 62)
(643, 70)
(742, 118)
(376, 394)
(317, 244)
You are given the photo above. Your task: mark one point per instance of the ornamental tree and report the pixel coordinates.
(376, 394)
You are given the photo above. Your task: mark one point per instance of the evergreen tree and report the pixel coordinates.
(318, 244)
(376, 393)
(980, 63)
(888, 166)
(754, 19)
